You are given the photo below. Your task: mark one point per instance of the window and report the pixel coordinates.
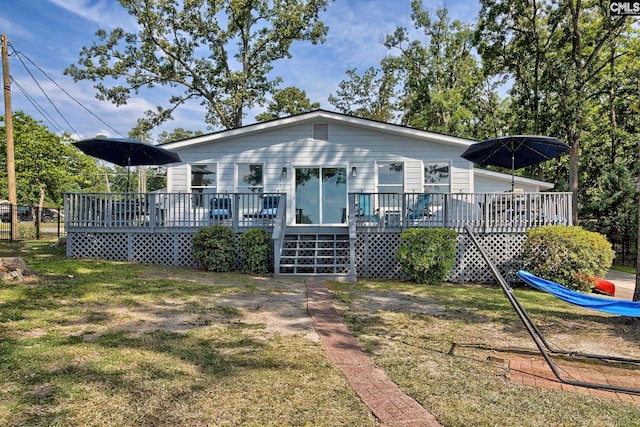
(437, 177)
(390, 177)
(204, 180)
(250, 178)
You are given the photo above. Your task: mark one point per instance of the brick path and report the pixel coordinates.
(534, 371)
(383, 397)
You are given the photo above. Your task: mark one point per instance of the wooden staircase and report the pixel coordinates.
(316, 252)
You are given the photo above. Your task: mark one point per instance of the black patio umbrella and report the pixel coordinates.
(515, 152)
(127, 152)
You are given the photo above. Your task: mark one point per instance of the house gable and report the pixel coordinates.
(328, 139)
(349, 143)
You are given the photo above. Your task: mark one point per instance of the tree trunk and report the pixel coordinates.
(636, 291)
(573, 179)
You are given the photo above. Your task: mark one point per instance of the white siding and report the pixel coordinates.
(347, 146)
(289, 143)
(484, 184)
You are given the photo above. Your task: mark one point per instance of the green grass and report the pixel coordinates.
(624, 269)
(413, 341)
(99, 343)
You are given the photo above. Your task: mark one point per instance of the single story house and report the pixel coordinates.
(336, 190)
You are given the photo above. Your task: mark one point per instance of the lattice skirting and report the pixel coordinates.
(375, 256)
(152, 248)
(375, 252)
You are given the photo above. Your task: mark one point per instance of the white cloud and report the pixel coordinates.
(105, 13)
(10, 28)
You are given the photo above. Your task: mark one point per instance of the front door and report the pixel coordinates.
(321, 195)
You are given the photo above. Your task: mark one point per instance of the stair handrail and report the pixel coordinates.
(277, 235)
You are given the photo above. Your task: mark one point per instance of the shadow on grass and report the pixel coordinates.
(136, 368)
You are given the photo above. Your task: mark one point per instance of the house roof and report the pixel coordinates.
(322, 115)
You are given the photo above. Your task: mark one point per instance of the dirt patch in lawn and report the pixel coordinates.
(275, 306)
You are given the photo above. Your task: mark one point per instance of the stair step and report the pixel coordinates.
(315, 254)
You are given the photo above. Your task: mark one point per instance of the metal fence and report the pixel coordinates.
(51, 224)
(626, 252)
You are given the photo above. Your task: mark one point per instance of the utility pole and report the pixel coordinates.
(8, 125)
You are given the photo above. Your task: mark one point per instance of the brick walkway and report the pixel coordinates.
(383, 397)
(534, 371)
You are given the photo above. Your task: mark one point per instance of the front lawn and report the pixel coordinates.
(100, 343)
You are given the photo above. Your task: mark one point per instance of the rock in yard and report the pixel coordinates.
(13, 268)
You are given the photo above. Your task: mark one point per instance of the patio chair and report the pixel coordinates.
(220, 208)
(613, 306)
(269, 208)
(420, 209)
(365, 211)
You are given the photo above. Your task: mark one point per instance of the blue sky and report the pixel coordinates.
(51, 33)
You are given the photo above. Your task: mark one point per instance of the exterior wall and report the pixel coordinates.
(488, 184)
(293, 146)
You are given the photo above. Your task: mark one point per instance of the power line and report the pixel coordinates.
(47, 117)
(20, 55)
(42, 90)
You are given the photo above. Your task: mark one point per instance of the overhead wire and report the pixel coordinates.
(20, 56)
(47, 117)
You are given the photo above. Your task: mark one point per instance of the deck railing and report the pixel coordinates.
(484, 211)
(150, 211)
(172, 210)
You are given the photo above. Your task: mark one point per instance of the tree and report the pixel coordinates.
(177, 134)
(613, 203)
(219, 52)
(441, 78)
(369, 96)
(47, 166)
(555, 53)
(287, 102)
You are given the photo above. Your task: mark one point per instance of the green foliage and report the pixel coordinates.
(255, 251)
(287, 102)
(426, 255)
(367, 96)
(443, 86)
(564, 57)
(46, 164)
(567, 255)
(214, 248)
(219, 53)
(613, 204)
(177, 134)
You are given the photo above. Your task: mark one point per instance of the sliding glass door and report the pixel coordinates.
(321, 195)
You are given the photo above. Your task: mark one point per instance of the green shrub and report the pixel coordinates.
(214, 248)
(567, 255)
(255, 251)
(426, 255)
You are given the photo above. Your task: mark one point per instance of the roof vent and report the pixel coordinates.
(321, 131)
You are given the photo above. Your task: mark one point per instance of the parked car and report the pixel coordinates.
(25, 213)
(49, 215)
